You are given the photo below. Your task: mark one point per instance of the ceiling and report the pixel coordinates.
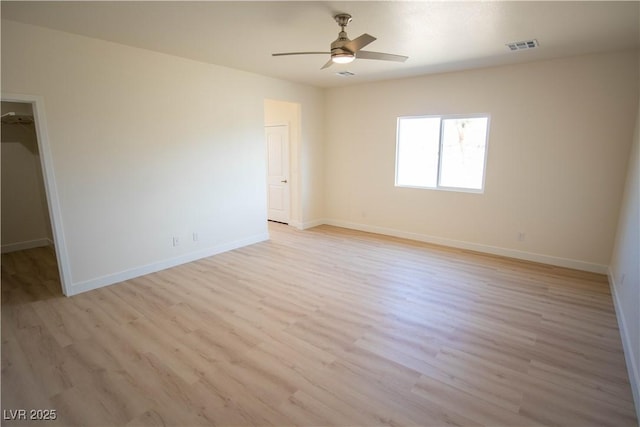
(437, 36)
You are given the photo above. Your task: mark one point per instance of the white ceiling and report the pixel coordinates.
(437, 36)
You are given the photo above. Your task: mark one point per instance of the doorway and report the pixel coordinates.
(286, 203)
(278, 173)
(30, 209)
(25, 216)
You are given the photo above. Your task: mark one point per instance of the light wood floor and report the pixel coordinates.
(323, 327)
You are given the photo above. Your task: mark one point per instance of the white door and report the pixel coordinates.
(277, 138)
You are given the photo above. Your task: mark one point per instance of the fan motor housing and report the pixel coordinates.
(341, 52)
(340, 42)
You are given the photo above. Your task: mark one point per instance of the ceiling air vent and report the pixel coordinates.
(527, 44)
(345, 73)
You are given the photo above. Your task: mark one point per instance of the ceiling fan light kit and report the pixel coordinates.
(342, 58)
(344, 50)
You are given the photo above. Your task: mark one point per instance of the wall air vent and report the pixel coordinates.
(345, 73)
(527, 44)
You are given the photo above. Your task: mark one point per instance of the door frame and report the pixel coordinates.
(288, 126)
(48, 175)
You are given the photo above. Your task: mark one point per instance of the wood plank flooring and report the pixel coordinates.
(326, 327)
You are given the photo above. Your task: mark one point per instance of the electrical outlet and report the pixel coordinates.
(521, 236)
(195, 237)
(176, 241)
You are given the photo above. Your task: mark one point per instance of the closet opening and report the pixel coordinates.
(33, 253)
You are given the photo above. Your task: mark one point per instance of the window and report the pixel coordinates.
(445, 152)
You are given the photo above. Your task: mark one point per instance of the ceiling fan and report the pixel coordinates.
(344, 51)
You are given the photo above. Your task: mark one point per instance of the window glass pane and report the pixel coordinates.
(417, 157)
(464, 142)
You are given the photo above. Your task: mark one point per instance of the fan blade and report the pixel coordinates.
(359, 42)
(363, 54)
(327, 65)
(301, 53)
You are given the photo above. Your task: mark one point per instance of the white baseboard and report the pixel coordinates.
(110, 279)
(629, 350)
(494, 250)
(296, 224)
(308, 224)
(311, 224)
(29, 244)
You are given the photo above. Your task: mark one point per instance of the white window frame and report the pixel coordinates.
(439, 171)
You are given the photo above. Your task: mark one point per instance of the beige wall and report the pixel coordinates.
(25, 217)
(146, 146)
(625, 267)
(559, 139)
